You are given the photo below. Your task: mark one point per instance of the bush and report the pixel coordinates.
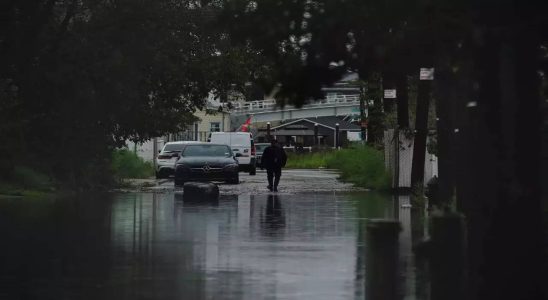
(24, 181)
(31, 179)
(361, 165)
(126, 164)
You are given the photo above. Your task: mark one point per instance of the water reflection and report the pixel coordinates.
(273, 219)
(159, 246)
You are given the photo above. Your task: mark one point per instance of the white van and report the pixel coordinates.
(242, 145)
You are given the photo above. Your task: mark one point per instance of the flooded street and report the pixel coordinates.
(156, 245)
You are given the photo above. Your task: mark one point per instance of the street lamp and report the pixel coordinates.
(316, 141)
(337, 142)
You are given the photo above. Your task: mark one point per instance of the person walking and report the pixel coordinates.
(273, 160)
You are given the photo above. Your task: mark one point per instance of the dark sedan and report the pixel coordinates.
(206, 162)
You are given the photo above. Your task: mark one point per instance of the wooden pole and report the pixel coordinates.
(447, 257)
(421, 132)
(316, 140)
(362, 112)
(382, 259)
(337, 141)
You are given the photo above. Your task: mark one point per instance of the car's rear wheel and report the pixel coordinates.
(159, 175)
(253, 170)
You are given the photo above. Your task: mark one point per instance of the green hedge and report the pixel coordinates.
(25, 181)
(126, 164)
(361, 165)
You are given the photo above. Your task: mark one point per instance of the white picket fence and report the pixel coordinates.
(406, 159)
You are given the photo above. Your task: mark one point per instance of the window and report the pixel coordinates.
(207, 150)
(173, 147)
(215, 127)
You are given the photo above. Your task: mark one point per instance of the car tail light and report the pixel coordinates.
(253, 150)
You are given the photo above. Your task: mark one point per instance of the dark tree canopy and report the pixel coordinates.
(490, 61)
(79, 77)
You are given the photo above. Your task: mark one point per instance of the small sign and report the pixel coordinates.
(390, 94)
(427, 74)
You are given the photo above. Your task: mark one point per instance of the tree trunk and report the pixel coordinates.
(421, 131)
(389, 82)
(403, 100)
(501, 188)
(445, 90)
(375, 116)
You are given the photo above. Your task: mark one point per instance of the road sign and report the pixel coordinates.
(390, 94)
(427, 74)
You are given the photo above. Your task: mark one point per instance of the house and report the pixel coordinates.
(301, 132)
(215, 117)
(210, 119)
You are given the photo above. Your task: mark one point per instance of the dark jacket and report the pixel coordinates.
(273, 157)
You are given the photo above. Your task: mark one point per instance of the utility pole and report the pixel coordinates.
(316, 140)
(391, 95)
(363, 122)
(421, 126)
(337, 133)
(154, 151)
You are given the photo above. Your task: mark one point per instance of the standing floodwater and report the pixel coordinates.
(157, 246)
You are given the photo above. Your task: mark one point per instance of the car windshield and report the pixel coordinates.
(207, 150)
(173, 147)
(260, 148)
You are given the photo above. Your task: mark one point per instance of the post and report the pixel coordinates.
(396, 158)
(447, 264)
(382, 258)
(421, 127)
(154, 151)
(337, 142)
(223, 124)
(316, 141)
(195, 131)
(363, 123)
(268, 130)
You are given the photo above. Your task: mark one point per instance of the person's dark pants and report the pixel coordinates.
(273, 174)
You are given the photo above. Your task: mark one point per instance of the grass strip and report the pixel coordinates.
(359, 164)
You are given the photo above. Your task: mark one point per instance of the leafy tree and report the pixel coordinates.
(487, 55)
(80, 77)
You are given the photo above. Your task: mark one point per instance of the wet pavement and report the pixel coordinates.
(156, 245)
(292, 182)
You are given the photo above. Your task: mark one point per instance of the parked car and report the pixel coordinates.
(207, 162)
(240, 143)
(259, 147)
(168, 156)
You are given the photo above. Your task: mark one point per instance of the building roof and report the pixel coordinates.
(328, 121)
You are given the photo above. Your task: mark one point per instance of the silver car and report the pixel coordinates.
(168, 156)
